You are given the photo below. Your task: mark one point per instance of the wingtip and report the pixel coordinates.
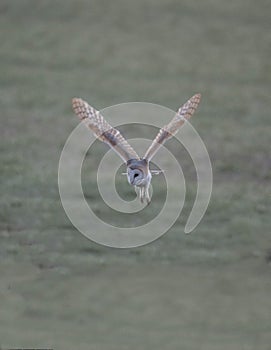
(75, 100)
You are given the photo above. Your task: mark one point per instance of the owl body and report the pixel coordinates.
(139, 176)
(138, 173)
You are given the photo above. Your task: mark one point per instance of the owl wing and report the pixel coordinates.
(103, 130)
(169, 130)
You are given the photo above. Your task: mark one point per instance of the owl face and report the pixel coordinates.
(138, 173)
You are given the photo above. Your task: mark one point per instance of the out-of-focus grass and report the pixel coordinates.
(208, 290)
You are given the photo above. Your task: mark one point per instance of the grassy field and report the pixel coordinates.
(209, 290)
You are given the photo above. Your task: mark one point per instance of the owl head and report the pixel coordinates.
(137, 171)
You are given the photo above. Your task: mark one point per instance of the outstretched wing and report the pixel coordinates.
(169, 130)
(103, 130)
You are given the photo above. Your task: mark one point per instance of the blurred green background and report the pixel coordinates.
(208, 290)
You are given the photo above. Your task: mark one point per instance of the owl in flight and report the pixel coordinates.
(138, 173)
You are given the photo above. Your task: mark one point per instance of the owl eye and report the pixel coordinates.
(136, 175)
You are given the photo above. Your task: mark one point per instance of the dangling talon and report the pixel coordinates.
(141, 195)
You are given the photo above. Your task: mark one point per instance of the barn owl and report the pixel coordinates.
(138, 172)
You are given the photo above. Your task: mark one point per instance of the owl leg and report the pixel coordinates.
(141, 192)
(146, 194)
